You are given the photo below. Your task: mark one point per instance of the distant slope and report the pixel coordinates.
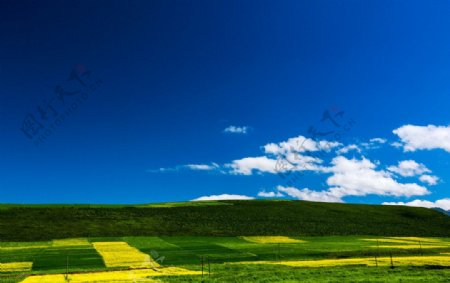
(226, 218)
(442, 210)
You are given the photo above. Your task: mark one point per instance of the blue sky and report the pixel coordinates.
(153, 86)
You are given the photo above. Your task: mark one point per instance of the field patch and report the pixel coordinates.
(15, 266)
(192, 249)
(409, 243)
(393, 241)
(272, 240)
(407, 247)
(381, 261)
(70, 242)
(418, 239)
(121, 254)
(137, 275)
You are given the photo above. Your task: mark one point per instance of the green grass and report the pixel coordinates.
(227, 218)
(269, 274)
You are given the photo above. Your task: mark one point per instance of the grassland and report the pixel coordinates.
(225, 241)
(222, 218)
(229, 259)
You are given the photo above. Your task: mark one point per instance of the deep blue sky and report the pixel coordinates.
(175, 74)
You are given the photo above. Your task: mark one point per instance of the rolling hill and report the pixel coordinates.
(219, 218)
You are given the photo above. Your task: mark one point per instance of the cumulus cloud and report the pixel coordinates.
(442, 203)
(424, 137)
(409, 168)
(429, 179)
(265, 194)
(236, 130)
(284, 156)
(223, 197)
(353, 177)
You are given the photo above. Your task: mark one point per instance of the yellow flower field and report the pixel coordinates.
(121, 254)
(407, 247)
(15, 266)
(409, 243)
(136, 275)
(394, 241)
(43, 245)
(418, 239)
(22, 248)
(70, 242)
(382, 261)
(271, 240)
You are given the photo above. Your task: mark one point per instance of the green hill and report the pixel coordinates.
(222, 218)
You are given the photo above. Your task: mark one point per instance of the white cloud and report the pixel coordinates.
(223, 197)
(348, 148)
(263, 164)
(299, 144)
(373, 143)
(397, 144)
(429, 179)
(236, 130)
(442, 203)
(265, 194)
(378, 140)
(246, 166)
(360, 177)
(307, 194)
(353, 177)
(195, 167)
(203, 167)
(424, 137)
(409, 168)
(279, 158)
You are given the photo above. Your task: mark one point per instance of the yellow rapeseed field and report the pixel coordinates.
(271, 240)
(409, 243)
(418, 239)
(15, 266)
(22, 248)
(407, 247)
(70, 242)
(395, 241)
(382, 261)
(43, 245)
(121, 254)
(136, 275)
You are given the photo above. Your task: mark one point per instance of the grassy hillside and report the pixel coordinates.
(226, 218)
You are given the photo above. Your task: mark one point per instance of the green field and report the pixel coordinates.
(226, 241)
(244, 259)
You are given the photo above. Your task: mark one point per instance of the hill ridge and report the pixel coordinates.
(219, 218)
